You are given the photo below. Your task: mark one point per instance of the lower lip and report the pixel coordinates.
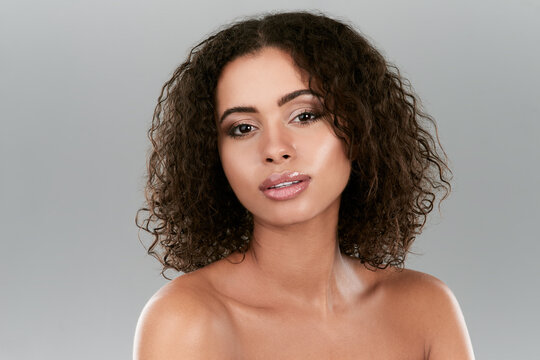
(287, 192)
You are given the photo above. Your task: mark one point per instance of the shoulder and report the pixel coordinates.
(183, 320)
(415, 284)
(430, 305)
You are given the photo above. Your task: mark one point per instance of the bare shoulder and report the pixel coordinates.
(182, 321)
(431, 305)
(415, 284)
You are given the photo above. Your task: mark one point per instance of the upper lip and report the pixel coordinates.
(286, 176)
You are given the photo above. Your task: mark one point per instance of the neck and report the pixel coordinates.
(303, 264)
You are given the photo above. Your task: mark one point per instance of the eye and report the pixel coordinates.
(307, 117)
(241, 130)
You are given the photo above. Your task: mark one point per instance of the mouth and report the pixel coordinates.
(284, 186)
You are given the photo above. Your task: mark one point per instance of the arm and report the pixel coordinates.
(447, 336)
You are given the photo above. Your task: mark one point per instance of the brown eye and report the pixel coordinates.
(244, 128)
(307, 117)
(241, 130)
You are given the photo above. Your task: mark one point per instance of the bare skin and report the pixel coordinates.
(293, 295)
(224, 311)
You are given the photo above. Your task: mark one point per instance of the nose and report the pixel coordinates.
(277, 145)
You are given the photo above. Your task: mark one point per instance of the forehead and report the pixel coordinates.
(258, 78)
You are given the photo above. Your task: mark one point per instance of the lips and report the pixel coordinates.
(284, 186)
(283, 180)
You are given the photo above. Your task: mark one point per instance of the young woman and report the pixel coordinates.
(292, 168)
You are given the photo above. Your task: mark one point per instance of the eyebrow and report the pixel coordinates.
(250, 109)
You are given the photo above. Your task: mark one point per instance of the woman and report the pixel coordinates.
(291, 171)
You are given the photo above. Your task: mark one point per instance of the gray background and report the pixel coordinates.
(78, 85)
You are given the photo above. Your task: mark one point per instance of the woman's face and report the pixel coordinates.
(282, 160)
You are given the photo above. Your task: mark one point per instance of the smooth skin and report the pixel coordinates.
(294, 295)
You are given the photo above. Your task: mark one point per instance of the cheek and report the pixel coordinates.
(235, 163)
(331, 159)
(229, 166)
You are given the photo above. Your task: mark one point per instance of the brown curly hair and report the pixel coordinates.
(398, 166)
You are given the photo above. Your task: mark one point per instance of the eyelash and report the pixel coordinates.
(314, 117)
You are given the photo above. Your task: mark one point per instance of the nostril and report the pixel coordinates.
(271, 159)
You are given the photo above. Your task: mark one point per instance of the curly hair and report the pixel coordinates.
(399, 168)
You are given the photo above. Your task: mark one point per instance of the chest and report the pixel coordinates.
(367, 334)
